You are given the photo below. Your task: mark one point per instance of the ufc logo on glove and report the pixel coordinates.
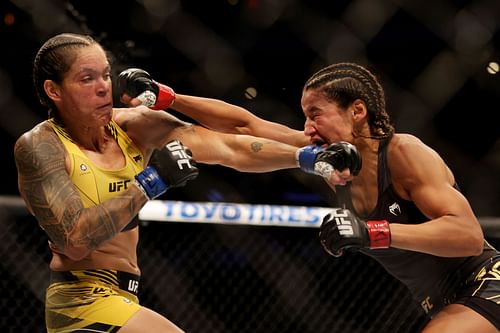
(344, 223)
(177, 150)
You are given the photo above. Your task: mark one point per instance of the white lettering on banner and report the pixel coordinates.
(232, 213)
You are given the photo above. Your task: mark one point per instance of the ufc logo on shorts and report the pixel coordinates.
(133, 286)
(343, 223)
(177, 150)
(426, 304)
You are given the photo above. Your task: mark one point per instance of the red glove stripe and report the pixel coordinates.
(380, 234)
(166, 97)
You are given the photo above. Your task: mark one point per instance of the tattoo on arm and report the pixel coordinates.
(46, 185)
(256, 146)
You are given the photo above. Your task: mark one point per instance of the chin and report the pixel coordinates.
(106, 118)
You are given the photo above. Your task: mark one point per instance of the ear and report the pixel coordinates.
(52, 90)
(359, 110)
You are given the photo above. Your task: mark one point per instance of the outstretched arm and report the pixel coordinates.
(241, 152)
(151, 129)
(229, 118)
(136, 87)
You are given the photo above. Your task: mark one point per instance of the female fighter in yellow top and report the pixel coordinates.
(87, 171)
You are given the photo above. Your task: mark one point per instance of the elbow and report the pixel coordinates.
(76, 243)
(475, 242)
(73, 238)
(477, 246)
(243, 129)
(76, 253)
(72, 247)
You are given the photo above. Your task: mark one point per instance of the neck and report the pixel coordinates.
(366, 144)
(89, 138)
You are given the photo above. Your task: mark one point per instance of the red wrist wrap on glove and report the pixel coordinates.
(379, 233)
(166, 97)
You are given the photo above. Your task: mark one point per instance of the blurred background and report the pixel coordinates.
(438, 62)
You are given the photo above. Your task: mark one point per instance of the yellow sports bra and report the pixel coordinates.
(94, 183)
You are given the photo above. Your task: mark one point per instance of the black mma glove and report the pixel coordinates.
(338, 156)
(341, 229)
(171, 166)
(137, 83)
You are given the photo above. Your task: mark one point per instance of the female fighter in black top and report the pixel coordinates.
(404, 207)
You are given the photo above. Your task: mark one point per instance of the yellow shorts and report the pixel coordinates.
(90, 300)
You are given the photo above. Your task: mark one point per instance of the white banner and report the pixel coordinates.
(233, 213)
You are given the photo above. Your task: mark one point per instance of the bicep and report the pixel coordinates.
(148, 129)
(439, 199)
(207, 146)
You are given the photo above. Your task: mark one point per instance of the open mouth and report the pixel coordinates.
(320, 143)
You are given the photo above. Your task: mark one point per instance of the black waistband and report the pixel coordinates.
(123, 280)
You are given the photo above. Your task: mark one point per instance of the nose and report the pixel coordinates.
(309, 129)
(104, 87)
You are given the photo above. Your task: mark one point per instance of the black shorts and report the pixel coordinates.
(482, 293)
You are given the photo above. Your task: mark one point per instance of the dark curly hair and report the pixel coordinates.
(343, 83)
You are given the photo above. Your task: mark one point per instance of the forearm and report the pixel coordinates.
(101, 223)
(77, 230)
(262, 155)
(444, 237)
(214, 114)
(253, 154)
(52, 197)
(241, 152)
(228, 118)
(211, 113)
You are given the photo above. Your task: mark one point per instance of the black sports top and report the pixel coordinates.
(433, 281)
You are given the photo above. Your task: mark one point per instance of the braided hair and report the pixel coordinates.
(343, 83)
(53, 61)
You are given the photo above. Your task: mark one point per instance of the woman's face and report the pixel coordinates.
(326, 122)
(85, 94)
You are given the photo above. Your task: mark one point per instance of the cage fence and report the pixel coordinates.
(223, 278)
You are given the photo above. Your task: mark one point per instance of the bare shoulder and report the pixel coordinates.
(408, 149)
(40, 157)
(41, 129)
(411, 160)
(36, 145)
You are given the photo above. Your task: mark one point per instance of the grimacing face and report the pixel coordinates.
(85, 93)
(326, 122)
